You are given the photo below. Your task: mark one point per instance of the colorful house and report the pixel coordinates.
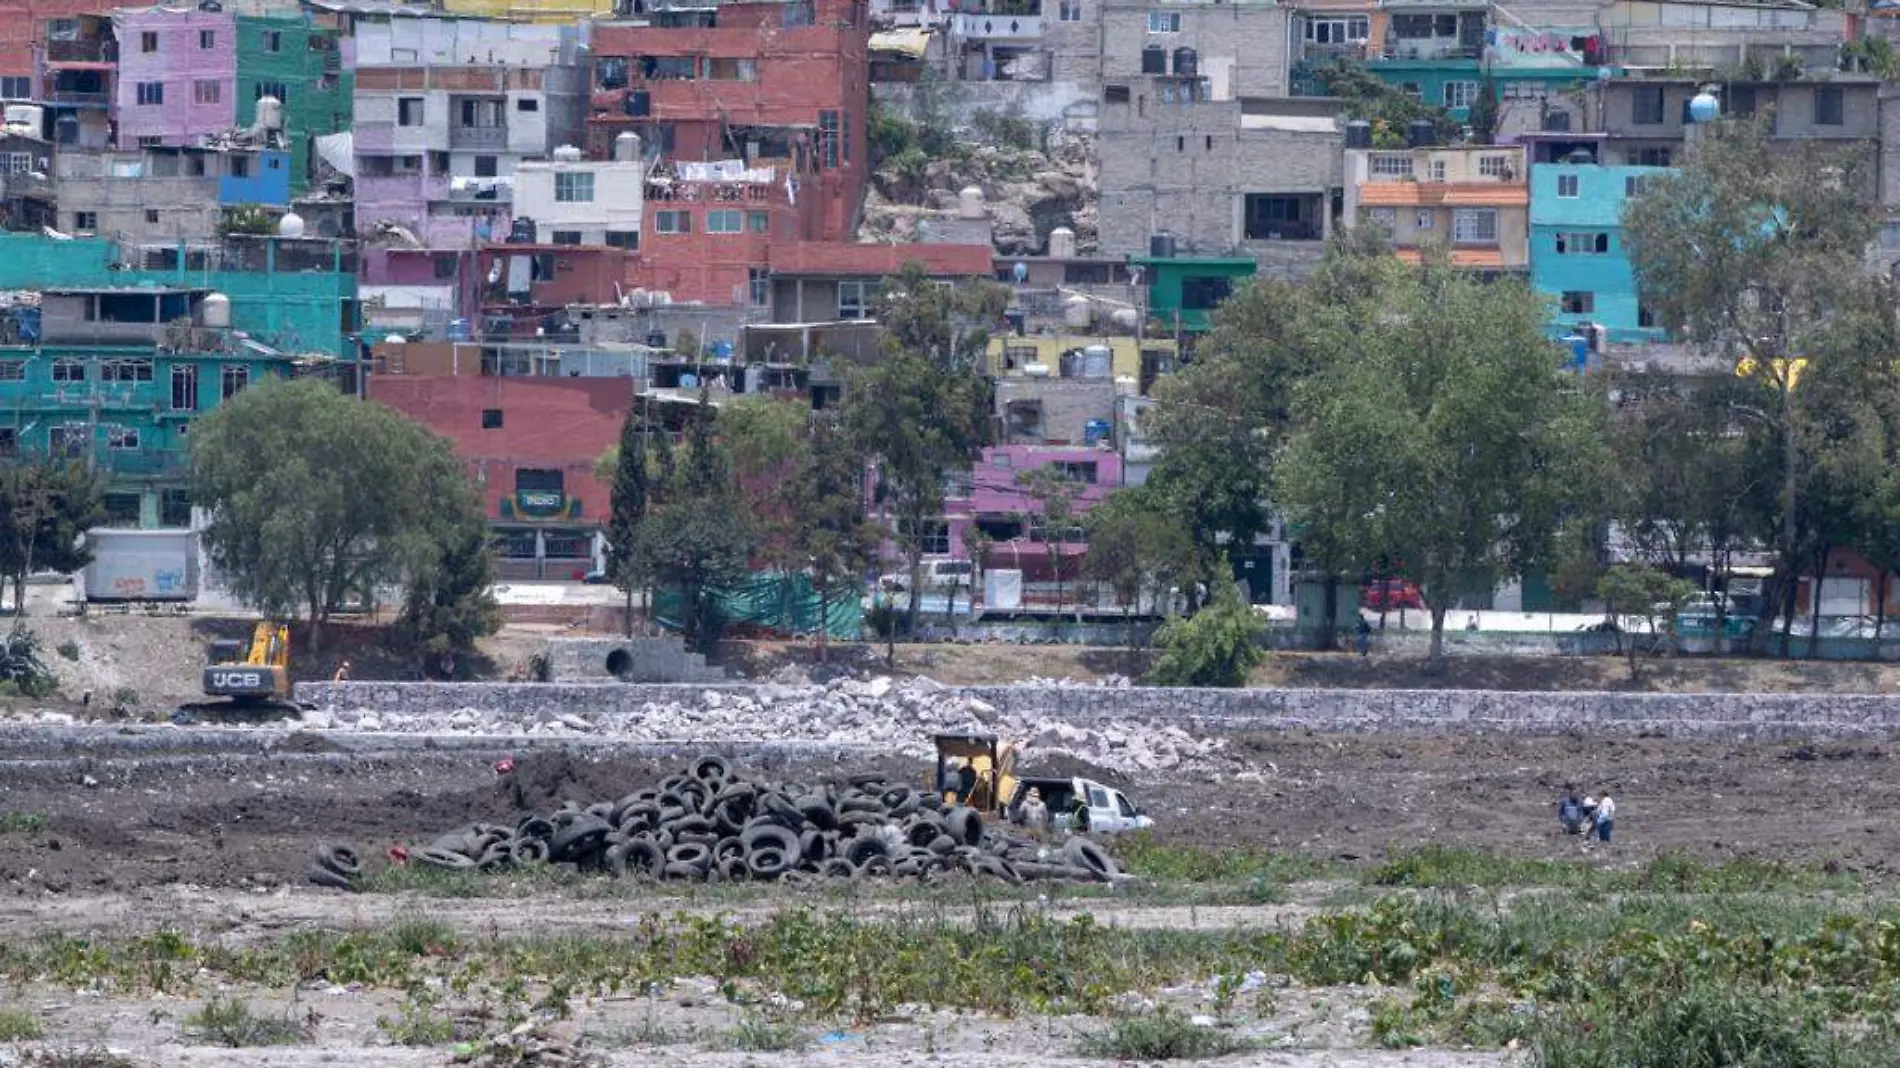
(1183, 291)
(1472, 198)
(1578, 254)
(302, 66)
(177, 75)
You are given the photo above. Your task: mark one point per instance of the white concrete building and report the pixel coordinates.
(581, 202)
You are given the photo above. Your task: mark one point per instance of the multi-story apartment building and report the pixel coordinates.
(75, 74)
(444, 110)
(575, 201)
(1473, 199)
(300, 65)
(755, 116)
(117, 357)
(1579, 257)
(164, 197)
(177, 80)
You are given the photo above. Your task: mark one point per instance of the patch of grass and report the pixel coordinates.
(18, 1025)
(231, 1022)
(758, 1035)
(1450, 867)
(15, 822)
(92, 1057)
(68, 649)
(418, 1022)
(1142, 854)
(421, 937)
(1707, 1027)
(1165, 1035)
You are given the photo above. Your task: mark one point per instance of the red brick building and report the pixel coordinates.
(760, 87)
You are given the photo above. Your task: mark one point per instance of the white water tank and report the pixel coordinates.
(1076, 311)
(395, 339)
(1097, 361)
(627, 147)
(1126, 386)
(291, 225)
(568, 154)
(970, 203)
(270, 113)
(1125, 319)
(215, 311)
(28, 116)
(1062, 243)
(1036, 369)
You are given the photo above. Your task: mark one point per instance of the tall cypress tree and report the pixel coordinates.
(629, 508)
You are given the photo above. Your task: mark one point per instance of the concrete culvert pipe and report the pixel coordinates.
(620, 664)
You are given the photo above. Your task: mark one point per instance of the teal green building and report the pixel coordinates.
(1183, 291)
(114, 363)
(300, 64)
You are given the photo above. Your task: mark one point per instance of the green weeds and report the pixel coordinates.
(15, 822)
(18, 1025)
(1165, 1035)
(92, 1057)
(231, 1022)
(758, 1035)
(1447, 867)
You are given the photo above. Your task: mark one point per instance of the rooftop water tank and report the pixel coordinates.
(1125, 318)
(970, 203)
(1420, 133)
(1062, 243)
(215, 311)
(639, 104)
(27, 115)
(395, 339)
(291, 225)
(1035, 369)
(1069, 364)
(270, 113)
(66, 128)
(627, 147)
(460, 330)
(1126, 386)
(1704, 107)
(1358, 134)
(568, 154)
(1097, 360)
(1161, 246)
(1077, 312)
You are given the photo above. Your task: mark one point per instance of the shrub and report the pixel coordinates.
(232, 1023)
(755, 1035)
(1164, 1036)
(21, 668)
(18, 1025)
(69, 649)
(1216, 646)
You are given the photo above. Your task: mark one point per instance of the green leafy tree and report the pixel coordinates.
(314, 495)
(1387, 107)
(839, 544)
(1446, 433)
(697, 541)
(1137, 550)
(450, 600)
(46, 507)
(1753, 251)
(769, 442)
(923, 410)
(629, 480)
(1646, 593)
(1055, 494)
(1216, 646)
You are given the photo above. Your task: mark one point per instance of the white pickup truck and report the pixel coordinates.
(1083, 806)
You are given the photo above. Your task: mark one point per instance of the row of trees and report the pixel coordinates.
(1417, 412)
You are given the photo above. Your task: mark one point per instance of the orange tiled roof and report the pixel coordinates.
(1448, 194)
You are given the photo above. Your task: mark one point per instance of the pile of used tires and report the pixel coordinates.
(711, 824)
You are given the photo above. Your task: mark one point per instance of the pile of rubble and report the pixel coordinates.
(709, 823)
(879, 713)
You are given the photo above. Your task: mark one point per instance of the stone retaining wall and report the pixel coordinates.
(1737, 716)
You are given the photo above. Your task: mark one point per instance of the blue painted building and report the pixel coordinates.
(1578, 255)
(260, 176)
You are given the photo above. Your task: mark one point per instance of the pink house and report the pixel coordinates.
(177, 75)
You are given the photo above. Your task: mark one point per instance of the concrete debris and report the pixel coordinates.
(896, 717)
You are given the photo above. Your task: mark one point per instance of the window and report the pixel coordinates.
(67, 369)
(574, 187)
(276, 89)
(273, 41)
(725, 222)
(610, 72)
(1474, 225)
(672, 222)
(1069, 11)
(125, 371)
(1583, 244)
(1567, 186)
(1115, 94)
(206, 92)
(1438, 170)
(240, 166)
(1579, 302)
(446, 268)
(9, 441)
(184, 387)
(1646, 105)
(409, 111)
(566, 237)
(174, 508)
(148, 42)
(1829, 104)
(1389, 165)
(233, 379)
(1461, 94)
(1650, 157)
(69, 441)
(1083, 472)
(85, 220)
(1494, 166)
(150, 94)
(1415, 90)
(1388, 218)
(207, 39)
(1347, 29)
(539, 480)
(1164, 22)
(1154, 60)
(1645, 315)
(758, 222)
(758, 286)
(1206, 293)
(828, 138)
(12, 370)
(1424, 219)
(1636, 185)
(122, 438)
(1282, 217)
(15, 162)
(720, 69)
(627, 239)
(15, 87)
(487, 166)
(527, 103)
(853, 302)
(932, 536)
(491, 418)
(1422, 27)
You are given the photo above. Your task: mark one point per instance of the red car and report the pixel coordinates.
(1390, 595)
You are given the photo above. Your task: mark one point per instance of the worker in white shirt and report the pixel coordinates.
(1605, 816)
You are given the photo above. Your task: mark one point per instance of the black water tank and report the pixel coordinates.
(639, 103)
(656, 339)
(1187, 63)
(1420, 133)
(1358, 134)
(1154, 60)
(1161, 246)
(1557, 122)
(522, 232)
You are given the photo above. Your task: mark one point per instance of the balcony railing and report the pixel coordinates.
(999, 27)
(144, 463)
(94, 50)
(478, 136)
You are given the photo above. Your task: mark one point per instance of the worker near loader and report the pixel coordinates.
(1570, 811)
(1035, 814)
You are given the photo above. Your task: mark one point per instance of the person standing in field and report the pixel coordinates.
(1605, 817)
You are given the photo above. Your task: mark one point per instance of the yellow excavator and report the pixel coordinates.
(251, 673)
